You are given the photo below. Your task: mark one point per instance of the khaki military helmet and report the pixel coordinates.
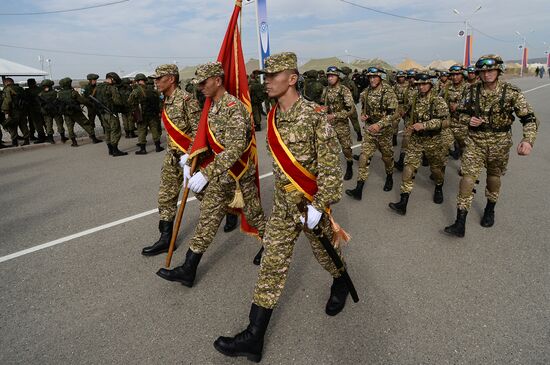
(126, 81)
(311, 74)
(424, 78)
(114, 76)
(333, 70)
(46, 83)
(66, 83)
(346, 70)
(490, 62)
(376, 71)
(140, 77)
(456, 69)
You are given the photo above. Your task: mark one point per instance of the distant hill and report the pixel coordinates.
(531, 60)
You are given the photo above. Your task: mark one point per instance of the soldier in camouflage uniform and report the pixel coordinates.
(13, 107)
(322, 78)
(51, 110)
(443, 82)
(144, 104)
(32, 110)
(112, 103)
(257, 96)
(409, 95)
(340, 106)
(488, 109)
(125, 89)
(229, 122)
(378, 112)
(428, 114)
(348, 82)
(70, 101)
(313, 88)
(305, 130)
(400, 89)
(184, 112)
(90, 90)
(453, 95)
(471, 75)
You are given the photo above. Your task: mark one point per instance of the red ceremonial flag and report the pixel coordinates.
(236, 83)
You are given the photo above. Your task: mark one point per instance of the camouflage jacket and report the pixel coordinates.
(400, 90)
(453, 94)
(440, 86)
(310, 138)
(257, 92)
(183, 110)
(497, 107)
(380, 105)
(89, 89)
(49, 103)
(31, 98)
(70, 101)
(13, 99)
(146, 101)
(230, 123)
(313, 90)
(109, 96)
(350, 84)
(430, 110)
(339, 101)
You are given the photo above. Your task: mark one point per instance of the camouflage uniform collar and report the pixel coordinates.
(170, 99)
(216, 106)
(292, 110)
(497, 89)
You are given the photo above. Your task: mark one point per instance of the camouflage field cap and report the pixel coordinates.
(280, 62)
(92, 76)
(207, 70)
(141, 77)
(166, 69)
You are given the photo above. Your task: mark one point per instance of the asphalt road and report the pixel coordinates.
(425, 298)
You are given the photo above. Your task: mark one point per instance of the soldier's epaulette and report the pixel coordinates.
(231, 104)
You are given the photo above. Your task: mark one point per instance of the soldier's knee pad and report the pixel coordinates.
(466, 185)
(408, 173)
(493, 183)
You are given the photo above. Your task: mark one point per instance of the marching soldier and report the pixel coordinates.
(257, 96)
(111, 103)
(453, 95)
(313, 88)
(180, 115)
(230, 174)
(488, 110)
(340, 106)
(400, 89)
(51, 110)
(32, 110)
(408, 96)
(91, 89)
(13, 106)
(443, 82)
(306, 159)
(472, 77)
(428, 116)
(70, 101)
(144, 103)
(125, 89)
(348, 82)
(379, 111)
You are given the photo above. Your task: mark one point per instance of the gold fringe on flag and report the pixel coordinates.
(339, 237)
(238, 199)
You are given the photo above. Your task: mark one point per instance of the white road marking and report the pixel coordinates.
(129, 219)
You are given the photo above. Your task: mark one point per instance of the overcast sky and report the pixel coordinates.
(190, 32)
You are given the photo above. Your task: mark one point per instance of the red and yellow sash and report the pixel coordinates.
(180, 139)
(299, 176)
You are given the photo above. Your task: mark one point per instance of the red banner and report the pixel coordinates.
(182, 140)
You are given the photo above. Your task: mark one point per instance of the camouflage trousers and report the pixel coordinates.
(406, 136)
(431, 147)
(14, 121)
(460, 133)
(81, 120)
(150, 123)
(281, 233)
(92, 113)
(34, 116)
(171, 180)
(128, 121)
(49, 124)
(257, 114)
(354, 119)
(111, 124)
(341, 127)
(372, 143)
(489, 150)
(214, 206)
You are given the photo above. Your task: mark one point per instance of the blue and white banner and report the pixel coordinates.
(263, 31)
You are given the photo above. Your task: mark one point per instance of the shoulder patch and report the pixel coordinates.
(319, 109)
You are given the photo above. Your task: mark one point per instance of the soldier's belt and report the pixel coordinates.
(487, 128)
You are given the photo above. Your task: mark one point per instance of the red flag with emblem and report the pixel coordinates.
(236, 83)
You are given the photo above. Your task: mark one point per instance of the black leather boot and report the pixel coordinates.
(488, 219)
(26, 142)
(438, 194)
(357, 193)
(74, 144)
(258, 258)
(126, 134)
(117, 152)
(158, 148)
(185, 273)
(401, 206)
(388, 185)
(338, 293)
(356, 157)
(165, 229)
(231, 221)
(458, 228)
(142, 150)
(95, 139)
(50, 139)
(399, 164)
(14, 142)
(133, 134)
(63, 138)
(359, 136)
(349, 170)
(110, 147)
(249, 342)
(41, 138)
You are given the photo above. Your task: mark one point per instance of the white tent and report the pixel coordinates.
(131, 75)
(9, 68)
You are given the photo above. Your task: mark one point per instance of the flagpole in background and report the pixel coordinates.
(467, 60)
(262, 29)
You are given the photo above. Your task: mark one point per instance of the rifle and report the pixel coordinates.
(101, 105)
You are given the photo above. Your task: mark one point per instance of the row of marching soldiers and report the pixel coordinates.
(39, 106)
(467, 114)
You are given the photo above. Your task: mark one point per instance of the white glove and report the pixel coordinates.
(186, 174)
(197, 182)
(183, 160)
(313, 217)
